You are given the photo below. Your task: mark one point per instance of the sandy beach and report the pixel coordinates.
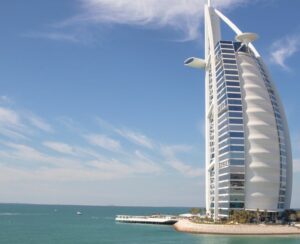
(238, 229)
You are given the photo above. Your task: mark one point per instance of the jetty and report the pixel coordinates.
(152, 219)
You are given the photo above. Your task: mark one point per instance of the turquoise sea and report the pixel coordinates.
(45, 224)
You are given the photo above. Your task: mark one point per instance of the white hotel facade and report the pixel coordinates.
(248, 149)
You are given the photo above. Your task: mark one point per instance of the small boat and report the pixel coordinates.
(152, 219)
(78, 213)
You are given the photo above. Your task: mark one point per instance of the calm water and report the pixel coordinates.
(60, 225)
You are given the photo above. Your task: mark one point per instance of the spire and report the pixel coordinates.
(208, 2)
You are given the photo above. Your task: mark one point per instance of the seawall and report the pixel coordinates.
(235, 229)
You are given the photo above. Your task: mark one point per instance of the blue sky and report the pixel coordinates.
(97, 108)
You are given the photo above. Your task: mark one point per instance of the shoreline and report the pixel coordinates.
(235, 229)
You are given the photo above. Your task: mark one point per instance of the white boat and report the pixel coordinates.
(152, 219)
(78, 213)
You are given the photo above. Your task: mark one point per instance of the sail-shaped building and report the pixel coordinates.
(248, 149)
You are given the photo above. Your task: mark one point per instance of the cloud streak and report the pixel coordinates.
(283, 49)
(54, 36)
(11, 125)
(8, 116)
(171, 156)
(103, 141)
(31, 157)
(39, 123)
(26, 153)
(167, 155)
(77, 156)
(59, 147)
(18, 125)
(135, 137)
(182, 16)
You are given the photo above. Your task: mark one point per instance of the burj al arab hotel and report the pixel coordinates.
(248, 149)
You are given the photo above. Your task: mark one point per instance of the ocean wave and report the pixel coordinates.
(9, 214)
(16, 214)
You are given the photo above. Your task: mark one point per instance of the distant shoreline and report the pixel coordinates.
(93, 205)
(238, 229)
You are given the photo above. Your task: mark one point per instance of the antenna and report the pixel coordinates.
(208, 2)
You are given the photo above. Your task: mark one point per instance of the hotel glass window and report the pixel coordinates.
(229, 61)
(236, 183)
(234, 95)
(231, 101)
(236, 205)
(233, 89)
(237, 176)
(232, 83)
(231, 77)
(235, 121)
(237, 198)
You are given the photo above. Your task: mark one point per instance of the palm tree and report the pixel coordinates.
(265, 214)
(195, 211)
(257, 216)
(298, 215)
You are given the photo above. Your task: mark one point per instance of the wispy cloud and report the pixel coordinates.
(59, 147)
(35, 158)
(177, 14)
(36, 165)
(135, 137)
(136, 166)
(12, 133)
(18, 124)
(5, 99)
(71, 124)
(103, 141)
(166, 155)
(24, 152)
(9, 116)
(39, 123)
(182, 16)
(11, 125)
(171, 156)
(41, 166)
(296, 166)
(146, 164)
(283, 49)
(64, 161)
(54, 36)
(64, 174)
